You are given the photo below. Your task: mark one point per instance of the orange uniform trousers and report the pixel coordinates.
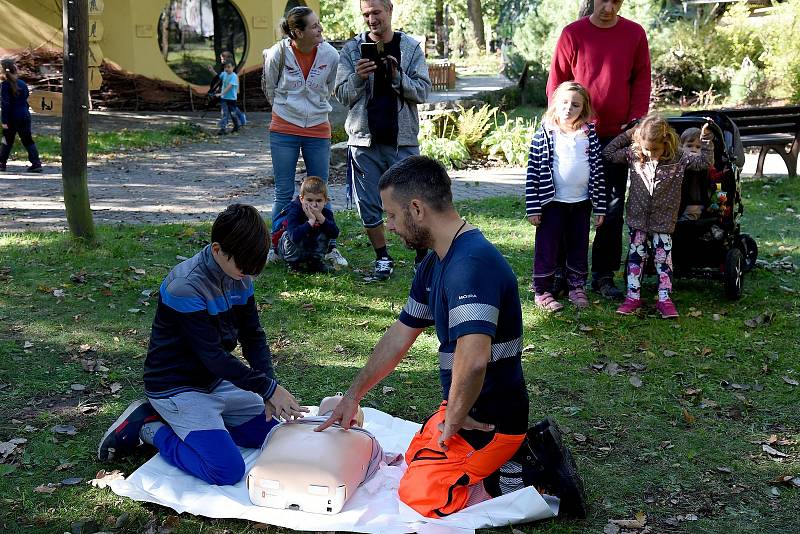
(437, 482)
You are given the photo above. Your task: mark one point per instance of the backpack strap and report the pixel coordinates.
(281, 66)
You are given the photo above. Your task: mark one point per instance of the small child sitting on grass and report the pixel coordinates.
(309, 228)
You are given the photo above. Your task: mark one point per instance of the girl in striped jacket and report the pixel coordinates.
(564, 183)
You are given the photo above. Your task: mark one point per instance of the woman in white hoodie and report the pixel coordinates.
(299, 77)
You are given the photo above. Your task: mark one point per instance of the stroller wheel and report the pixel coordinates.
(734, 262)
(749, 251)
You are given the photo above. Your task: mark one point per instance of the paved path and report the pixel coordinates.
(196, 181)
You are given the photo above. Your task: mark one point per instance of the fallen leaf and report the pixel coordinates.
(74, 481)
(639, 522)
(134, 310)
(726, 470)
(716, 317)
(69, 430)
(696, 313)
(103, 478)
(308, 306)
(65, 466)
(790, 381)
(635, 381)
(670, 353)
(387, 390)
(59, 293)
(45, 488)
(77, 387)
(27, 345)
(689, 418)
(362, 323)
(612, 368)
(584, 328)
(611, 528)
(580, 438)
(773, 452)
(6, 448)
(690, 392)
(116, 386)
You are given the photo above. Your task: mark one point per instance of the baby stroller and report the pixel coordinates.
(713, 246)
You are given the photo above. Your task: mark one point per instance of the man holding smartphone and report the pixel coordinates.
(382, 77)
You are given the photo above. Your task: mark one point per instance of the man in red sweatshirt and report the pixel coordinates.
(608, 55)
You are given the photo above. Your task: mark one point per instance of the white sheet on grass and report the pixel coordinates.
(374, 507)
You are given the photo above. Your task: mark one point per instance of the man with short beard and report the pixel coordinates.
(465, 289)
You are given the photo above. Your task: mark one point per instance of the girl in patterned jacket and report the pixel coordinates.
(565, 181)
(657, 163)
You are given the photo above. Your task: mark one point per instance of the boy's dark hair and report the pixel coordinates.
(419, 177)
(243, 235)
(313, 185)
(228, 62)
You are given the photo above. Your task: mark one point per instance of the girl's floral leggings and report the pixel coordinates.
(661, 244)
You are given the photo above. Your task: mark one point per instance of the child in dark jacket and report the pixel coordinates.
(16, 118)
(657, 165)
(203, 403)
(309, 228)
(565, 183)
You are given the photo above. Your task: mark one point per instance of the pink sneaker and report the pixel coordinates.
(667, 309)
(629, 306)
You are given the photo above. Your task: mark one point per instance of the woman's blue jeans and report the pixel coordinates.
(285, 149)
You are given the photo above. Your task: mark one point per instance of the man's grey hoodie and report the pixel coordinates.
(413, 84)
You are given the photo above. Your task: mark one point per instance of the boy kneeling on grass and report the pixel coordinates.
(202, 402)
(310, 227)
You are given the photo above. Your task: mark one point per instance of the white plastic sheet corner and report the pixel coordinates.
(375, 507)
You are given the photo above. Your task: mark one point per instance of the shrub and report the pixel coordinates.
(438, 140)
(510, 140)
(449, 152)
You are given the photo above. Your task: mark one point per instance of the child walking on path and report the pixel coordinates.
(228, 108)
(657, 163)
(309, 228)
(16, 118)
(565, 181)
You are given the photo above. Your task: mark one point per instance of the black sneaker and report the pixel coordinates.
(605, 286)
(36, 167)
(122, 437)
(547, 464)
(318, 266)
(384, 268)
(222, 132)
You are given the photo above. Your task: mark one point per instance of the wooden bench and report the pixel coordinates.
(773, 128)
(442, 75)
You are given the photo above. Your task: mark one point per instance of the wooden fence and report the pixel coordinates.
(442, 74)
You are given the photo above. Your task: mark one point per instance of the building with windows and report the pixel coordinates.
(170, 40)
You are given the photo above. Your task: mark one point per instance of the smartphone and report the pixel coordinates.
(369, 51)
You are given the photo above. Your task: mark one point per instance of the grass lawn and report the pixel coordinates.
(666, 418)
(106, 143)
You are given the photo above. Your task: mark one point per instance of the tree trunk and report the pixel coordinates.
(475, 13)
(587, 8)
(439, 27)
(217, 29)
(165, 32)
(75, 119)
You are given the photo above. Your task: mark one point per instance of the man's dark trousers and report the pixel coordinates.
(607, 245)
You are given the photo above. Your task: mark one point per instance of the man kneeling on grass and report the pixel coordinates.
(202, 402)
(478, 444)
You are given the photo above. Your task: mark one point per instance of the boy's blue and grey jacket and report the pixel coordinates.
(413, 84)
(539, 188)
(201, 314)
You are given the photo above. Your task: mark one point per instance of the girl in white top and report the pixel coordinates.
(564, 183)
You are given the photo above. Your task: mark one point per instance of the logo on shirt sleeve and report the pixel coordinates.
(467, 296)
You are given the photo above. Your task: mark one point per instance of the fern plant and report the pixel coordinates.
(473, 125)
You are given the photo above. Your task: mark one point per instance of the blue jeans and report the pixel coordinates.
(285, 151)
(228, 111)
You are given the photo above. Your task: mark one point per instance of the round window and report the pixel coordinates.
(193, 34)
